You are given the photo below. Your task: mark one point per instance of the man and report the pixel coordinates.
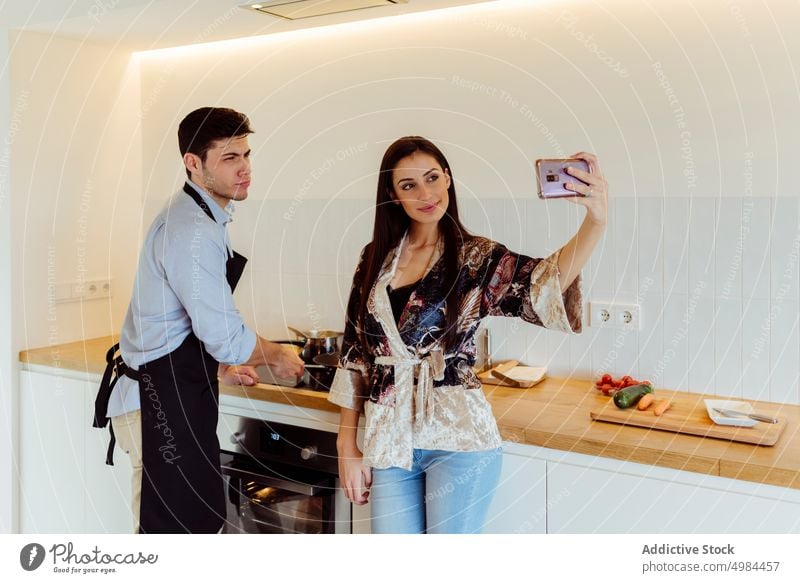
(182, 329)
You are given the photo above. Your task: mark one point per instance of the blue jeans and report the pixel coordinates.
(445, 492)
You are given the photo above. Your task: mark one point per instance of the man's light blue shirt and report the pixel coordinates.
(180, 287)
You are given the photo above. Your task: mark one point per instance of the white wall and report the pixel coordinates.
(75, 196)
(8, 360)
(76, 184)
(692, 109)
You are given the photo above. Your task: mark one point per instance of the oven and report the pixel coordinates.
(280, 478)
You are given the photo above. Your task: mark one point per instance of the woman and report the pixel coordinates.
(432, 457)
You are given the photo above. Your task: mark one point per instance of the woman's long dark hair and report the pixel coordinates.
(391, 221)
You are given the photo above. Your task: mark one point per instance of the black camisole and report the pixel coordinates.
(399, 298)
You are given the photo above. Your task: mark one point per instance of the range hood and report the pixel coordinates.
(296, 9)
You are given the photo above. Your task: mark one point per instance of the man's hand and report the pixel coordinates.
(283, 360)
(237, 375)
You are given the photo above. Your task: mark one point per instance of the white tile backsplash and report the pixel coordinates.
(701, 346)
(604, 356)
(651, 338)
(728, 346)
(538, 235)
(511, 340)
(717, 281)
(728, 249)
(676, 246)
(538, 349)
(784, 250)
(626, 244)
(784, 346)
(650, 252)
(558, 213)
(701, 247)
(580, 353)
(602, 277)
(675, 360)
(755, 349)
(558, 347)
(626, 346)
(756, 226)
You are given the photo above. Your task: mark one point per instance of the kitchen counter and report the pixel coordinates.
(553, 414)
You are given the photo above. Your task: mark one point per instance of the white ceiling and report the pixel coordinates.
(150, 24)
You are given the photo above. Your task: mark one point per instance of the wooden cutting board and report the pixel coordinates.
(488, 378)
(688, 415)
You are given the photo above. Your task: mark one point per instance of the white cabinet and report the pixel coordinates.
(520, 502)
(65, 486)
(52, 439)
(630, 498)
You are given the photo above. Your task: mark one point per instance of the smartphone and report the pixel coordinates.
(552, 175)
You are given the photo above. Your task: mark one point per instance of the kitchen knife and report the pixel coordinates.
(756, 416)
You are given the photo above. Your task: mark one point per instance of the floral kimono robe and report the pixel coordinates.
(414, 395)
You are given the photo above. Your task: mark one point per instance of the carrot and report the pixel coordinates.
(661, 407)
(645, 401)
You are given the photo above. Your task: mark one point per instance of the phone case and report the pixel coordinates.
(551, 175)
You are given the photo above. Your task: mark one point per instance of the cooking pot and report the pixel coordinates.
(317, 342)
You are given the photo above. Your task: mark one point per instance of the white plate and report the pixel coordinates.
(720, 419)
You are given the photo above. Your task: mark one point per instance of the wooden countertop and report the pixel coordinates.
(553, 414)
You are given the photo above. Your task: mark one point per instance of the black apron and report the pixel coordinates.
(182, 486)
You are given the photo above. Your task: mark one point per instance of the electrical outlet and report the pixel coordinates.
(99, 288)
(629, 316)
(600, 315)
(93, 289)
(611, 315)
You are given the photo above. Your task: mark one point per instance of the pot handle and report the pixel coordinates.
(296, 331)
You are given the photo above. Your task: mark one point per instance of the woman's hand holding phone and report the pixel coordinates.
(579, 180)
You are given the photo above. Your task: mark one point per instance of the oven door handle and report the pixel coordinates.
(322, 487)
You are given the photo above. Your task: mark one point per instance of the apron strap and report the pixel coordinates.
(115, 368)
(198, 199)
(236, 262)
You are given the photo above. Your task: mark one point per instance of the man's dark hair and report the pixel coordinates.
(200, 129)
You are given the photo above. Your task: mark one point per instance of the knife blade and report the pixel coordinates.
(756, 416)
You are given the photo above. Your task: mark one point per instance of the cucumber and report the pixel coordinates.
(629, 396)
